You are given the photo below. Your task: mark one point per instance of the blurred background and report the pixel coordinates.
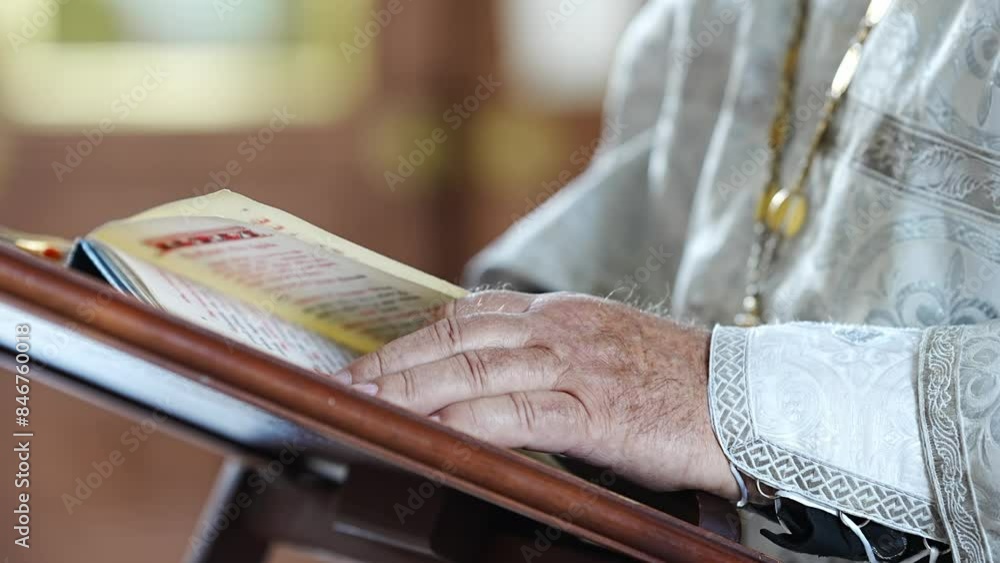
(108, 107)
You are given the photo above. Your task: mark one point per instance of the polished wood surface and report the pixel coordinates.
(347, 520)
(498, 476)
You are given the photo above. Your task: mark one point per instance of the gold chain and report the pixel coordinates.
(781, 211)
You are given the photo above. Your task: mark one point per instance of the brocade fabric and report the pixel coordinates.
(888, 409)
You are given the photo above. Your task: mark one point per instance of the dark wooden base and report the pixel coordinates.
(374, 514)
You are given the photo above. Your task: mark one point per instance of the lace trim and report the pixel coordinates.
(940, 421)
(832, 486)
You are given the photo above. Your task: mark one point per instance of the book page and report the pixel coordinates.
(236, 207)
(238, 321)
(314, 286)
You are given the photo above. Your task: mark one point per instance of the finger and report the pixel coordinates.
(547, 421)
(469, 375)
(489, 302)
(441, 340)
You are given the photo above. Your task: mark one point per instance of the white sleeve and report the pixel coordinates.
(901, 426)
(828, 413)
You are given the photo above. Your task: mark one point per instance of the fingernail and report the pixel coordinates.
(342, 377)
(435, 418)
(366, 388)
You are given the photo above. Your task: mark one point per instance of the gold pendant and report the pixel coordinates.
(786, 213)
(765, 200)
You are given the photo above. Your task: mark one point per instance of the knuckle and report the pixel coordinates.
(547, 358)
(543, 303)
(587, 409)
(378, 362)
(472, 301)
(560, 307)
(408, 386)
(474, 367)
(467, 305)
(573, 411)
(448, 333)
(473, 304)
(525, 411)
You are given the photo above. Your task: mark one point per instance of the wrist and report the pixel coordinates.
(723, 482)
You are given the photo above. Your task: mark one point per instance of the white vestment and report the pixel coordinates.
(875, 388)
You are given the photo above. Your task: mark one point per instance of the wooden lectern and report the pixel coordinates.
(313, 464)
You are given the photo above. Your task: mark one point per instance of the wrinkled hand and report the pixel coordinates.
(562, 373)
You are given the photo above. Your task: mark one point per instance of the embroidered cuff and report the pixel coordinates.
(960, 413)
(828, 413)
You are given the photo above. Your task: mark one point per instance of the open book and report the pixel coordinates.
(258, 276)
(264, 278)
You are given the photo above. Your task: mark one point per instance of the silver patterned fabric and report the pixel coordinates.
(899, 260)
(838, 426)
(960, 417)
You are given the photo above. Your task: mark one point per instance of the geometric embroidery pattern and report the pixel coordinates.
(792, 471)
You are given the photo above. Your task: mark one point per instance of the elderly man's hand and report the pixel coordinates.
(562, 373)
